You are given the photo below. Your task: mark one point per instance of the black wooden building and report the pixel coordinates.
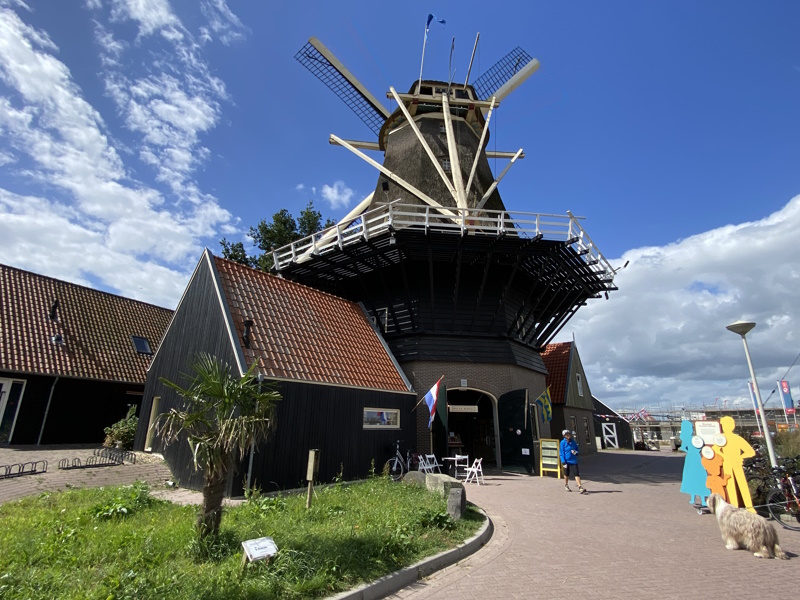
(343, 393)
(73, 360)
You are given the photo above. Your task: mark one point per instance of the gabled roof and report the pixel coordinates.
(556, 358)
(96, 329)
(299, 333)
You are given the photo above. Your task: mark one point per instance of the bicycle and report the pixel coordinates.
(783, 501)
(397, 466)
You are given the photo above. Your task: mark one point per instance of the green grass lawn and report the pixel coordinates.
(120, 543)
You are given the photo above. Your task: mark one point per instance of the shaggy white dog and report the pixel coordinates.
(743, 529)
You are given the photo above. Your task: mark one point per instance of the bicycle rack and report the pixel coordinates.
(92, 461)
(115, 454)
(18, 469)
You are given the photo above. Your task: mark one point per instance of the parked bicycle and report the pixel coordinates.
(397, 466)
(783, 501)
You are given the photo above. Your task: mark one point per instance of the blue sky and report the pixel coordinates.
(133, 133)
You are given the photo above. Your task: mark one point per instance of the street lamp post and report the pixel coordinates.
(742, 327)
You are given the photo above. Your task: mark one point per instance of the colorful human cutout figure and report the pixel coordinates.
(712, 462)
(734, 450)
(694, 475)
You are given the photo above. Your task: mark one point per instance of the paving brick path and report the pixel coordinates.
(633, 536)
(56, 479)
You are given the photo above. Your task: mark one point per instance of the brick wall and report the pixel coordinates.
(492, 378)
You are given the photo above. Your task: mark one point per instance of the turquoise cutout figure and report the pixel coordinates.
(694, 474)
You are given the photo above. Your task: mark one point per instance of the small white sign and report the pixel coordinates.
(463, 383)
(260, 548)
(463, 408)
(526, 452)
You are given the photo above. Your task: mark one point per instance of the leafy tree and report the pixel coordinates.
(235, 251)
(267, 236)
(222, 416)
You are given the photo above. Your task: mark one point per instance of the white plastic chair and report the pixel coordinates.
(433, 463)
(475, 472)
(424, 465)
(462, 462)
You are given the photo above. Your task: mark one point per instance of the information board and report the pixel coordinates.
(707, 430)
(548, 457)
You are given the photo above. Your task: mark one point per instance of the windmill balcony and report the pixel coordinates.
(395, 217)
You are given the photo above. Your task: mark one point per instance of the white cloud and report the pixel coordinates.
(338, 195)
(299, 187)
(221, 22)
(97, 220)
(151, 15)
(53, 239)
(661, 338)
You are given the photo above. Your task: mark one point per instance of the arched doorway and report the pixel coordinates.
(472, 425)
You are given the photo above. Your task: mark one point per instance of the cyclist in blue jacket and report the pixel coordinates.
(568, 450)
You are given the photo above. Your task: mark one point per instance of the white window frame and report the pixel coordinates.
(393, 422)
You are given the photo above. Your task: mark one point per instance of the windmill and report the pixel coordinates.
(449, 274)
(434, 144)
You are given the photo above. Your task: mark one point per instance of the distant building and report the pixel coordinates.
(72, 359)
(569, 391)
(613, 429)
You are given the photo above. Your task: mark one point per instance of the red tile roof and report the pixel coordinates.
(300, 333)
(556, 359)
(96, 328)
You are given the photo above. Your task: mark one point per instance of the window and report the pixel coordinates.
(381, 418)
(381, 318)
(446, 164)
(141, 344)
(580, 384)
(586, 429)
(442, 128)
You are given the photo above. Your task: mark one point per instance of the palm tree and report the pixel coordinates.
(222, 417)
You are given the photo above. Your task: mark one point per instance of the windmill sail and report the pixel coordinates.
(502, 72)
(322, 63)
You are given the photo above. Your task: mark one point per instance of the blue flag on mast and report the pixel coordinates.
(428, 24)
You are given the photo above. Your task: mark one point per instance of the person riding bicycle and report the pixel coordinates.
(568, 450)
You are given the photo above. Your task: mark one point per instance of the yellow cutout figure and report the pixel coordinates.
(734, 450)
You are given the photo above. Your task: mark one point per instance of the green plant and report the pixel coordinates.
(222, 417)
(128, 500)
(787, 443)
(440, 520)
(123, 431)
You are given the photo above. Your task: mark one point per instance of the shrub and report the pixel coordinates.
(123, 431)
(787, 443)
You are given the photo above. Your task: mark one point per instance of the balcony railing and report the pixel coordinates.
(458, 221)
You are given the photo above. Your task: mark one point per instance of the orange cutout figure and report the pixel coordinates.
(734, 451)
(716, 479)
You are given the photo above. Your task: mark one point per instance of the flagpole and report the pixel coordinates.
(422, 62)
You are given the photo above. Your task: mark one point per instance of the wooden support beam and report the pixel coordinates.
(455, 163)
(399, 180)
(480, 145)
(498, 180)
(425, 146)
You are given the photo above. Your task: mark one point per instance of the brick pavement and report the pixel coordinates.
(633, 535)
(56, 479)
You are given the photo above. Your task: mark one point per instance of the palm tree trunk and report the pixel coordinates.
(213, 493)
